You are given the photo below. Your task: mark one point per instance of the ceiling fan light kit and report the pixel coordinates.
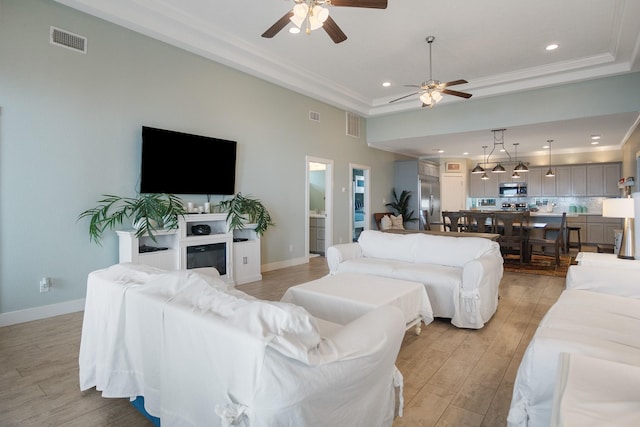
(430, 92)
(316, 15)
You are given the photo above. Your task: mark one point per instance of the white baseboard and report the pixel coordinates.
(42, 312)
(283, 264)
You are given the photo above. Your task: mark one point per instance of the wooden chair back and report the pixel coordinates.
(481, 222)
(453, 220)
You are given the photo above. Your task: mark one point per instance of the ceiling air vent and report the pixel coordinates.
(313, 116)
(353, 125)
(68, 40)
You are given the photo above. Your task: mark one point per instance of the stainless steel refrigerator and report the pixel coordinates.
(422, 180)
(429, 200)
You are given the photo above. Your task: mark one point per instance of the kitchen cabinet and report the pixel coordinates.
(548, 186)
(534, 182)
(579, 180)
(485, 188)
(563, 180)
(600, 229)
(602, 179)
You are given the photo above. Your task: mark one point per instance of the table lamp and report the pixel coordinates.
(622, 208)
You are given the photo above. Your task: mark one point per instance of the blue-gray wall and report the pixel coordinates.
(70, 131)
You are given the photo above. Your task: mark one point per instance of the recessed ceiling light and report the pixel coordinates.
(594, 137)
(294, 30)
(386, 84)
(552, 46)
(595, 142)
(466, 153)
(545, 146)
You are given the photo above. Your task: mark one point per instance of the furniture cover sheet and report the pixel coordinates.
(202, 353)
(344, 297)
(593, 392)
(582, 322)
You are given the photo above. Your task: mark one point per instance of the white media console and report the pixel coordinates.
(236, 254)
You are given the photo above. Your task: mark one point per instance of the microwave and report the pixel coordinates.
(513, 189)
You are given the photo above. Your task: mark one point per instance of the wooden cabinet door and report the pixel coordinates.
(548, 186)
(595, 180)
(579, 180)
(563, 181)
(534, 182)
(476, 185)
(611, 176)
(595, 233)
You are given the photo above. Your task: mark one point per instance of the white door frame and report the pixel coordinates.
(367, 197)
(328, 203)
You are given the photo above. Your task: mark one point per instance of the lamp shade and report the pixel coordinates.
(618, 208)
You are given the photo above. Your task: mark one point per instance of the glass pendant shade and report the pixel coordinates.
(484, 176)
(550, 173)
(515, 175)
(300, 12)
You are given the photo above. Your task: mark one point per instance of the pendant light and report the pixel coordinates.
(478, 168)
(499, 140)
(550, 173)
(520, 167)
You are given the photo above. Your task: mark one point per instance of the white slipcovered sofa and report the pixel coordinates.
(202, 353)
(597, 317)
(461, 274)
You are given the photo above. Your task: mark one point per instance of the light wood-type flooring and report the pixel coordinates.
(453, 377)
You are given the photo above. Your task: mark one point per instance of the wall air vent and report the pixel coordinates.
(353, 125)
(67, 40)
(314, 116)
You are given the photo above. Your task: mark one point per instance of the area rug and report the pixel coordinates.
(540, 264)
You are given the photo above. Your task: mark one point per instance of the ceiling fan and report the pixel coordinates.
(431, 91)
(314, 14)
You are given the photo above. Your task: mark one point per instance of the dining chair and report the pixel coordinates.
(511, 226)
(481, 222)
(549, 246)
(454, 220)
(562, 233)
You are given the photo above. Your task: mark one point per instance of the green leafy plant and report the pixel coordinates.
(148, 212)
(242, 210)
(401, 205)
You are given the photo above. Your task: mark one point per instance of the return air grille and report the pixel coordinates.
(353, 125)
(67, 40)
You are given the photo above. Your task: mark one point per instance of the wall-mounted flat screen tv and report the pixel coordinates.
(181, 163)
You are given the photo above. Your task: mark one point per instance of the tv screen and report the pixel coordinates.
(181, 163)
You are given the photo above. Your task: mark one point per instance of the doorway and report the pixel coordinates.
(359, 200)
(318, 206)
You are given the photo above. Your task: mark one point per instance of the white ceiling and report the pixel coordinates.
(498, 46)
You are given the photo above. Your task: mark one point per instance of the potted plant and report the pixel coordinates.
(242, 210)
(401, 205)
(149, 213)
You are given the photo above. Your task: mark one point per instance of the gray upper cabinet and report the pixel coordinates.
(602, 179)
(579, 180)
(534, 182)
(563, 180)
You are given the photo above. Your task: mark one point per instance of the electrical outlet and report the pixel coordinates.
(244, 260)
(45, 284)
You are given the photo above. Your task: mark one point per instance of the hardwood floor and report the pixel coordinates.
(453, 377)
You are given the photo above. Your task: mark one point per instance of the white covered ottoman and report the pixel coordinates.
(342, 298)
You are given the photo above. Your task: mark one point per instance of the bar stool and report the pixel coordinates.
(578, 245)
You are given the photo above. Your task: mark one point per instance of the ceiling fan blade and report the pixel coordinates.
(371, 4)
(455, 82)
(403, 97)
(334, 31)
(279, 25)
(456, 93)
(411, 85)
